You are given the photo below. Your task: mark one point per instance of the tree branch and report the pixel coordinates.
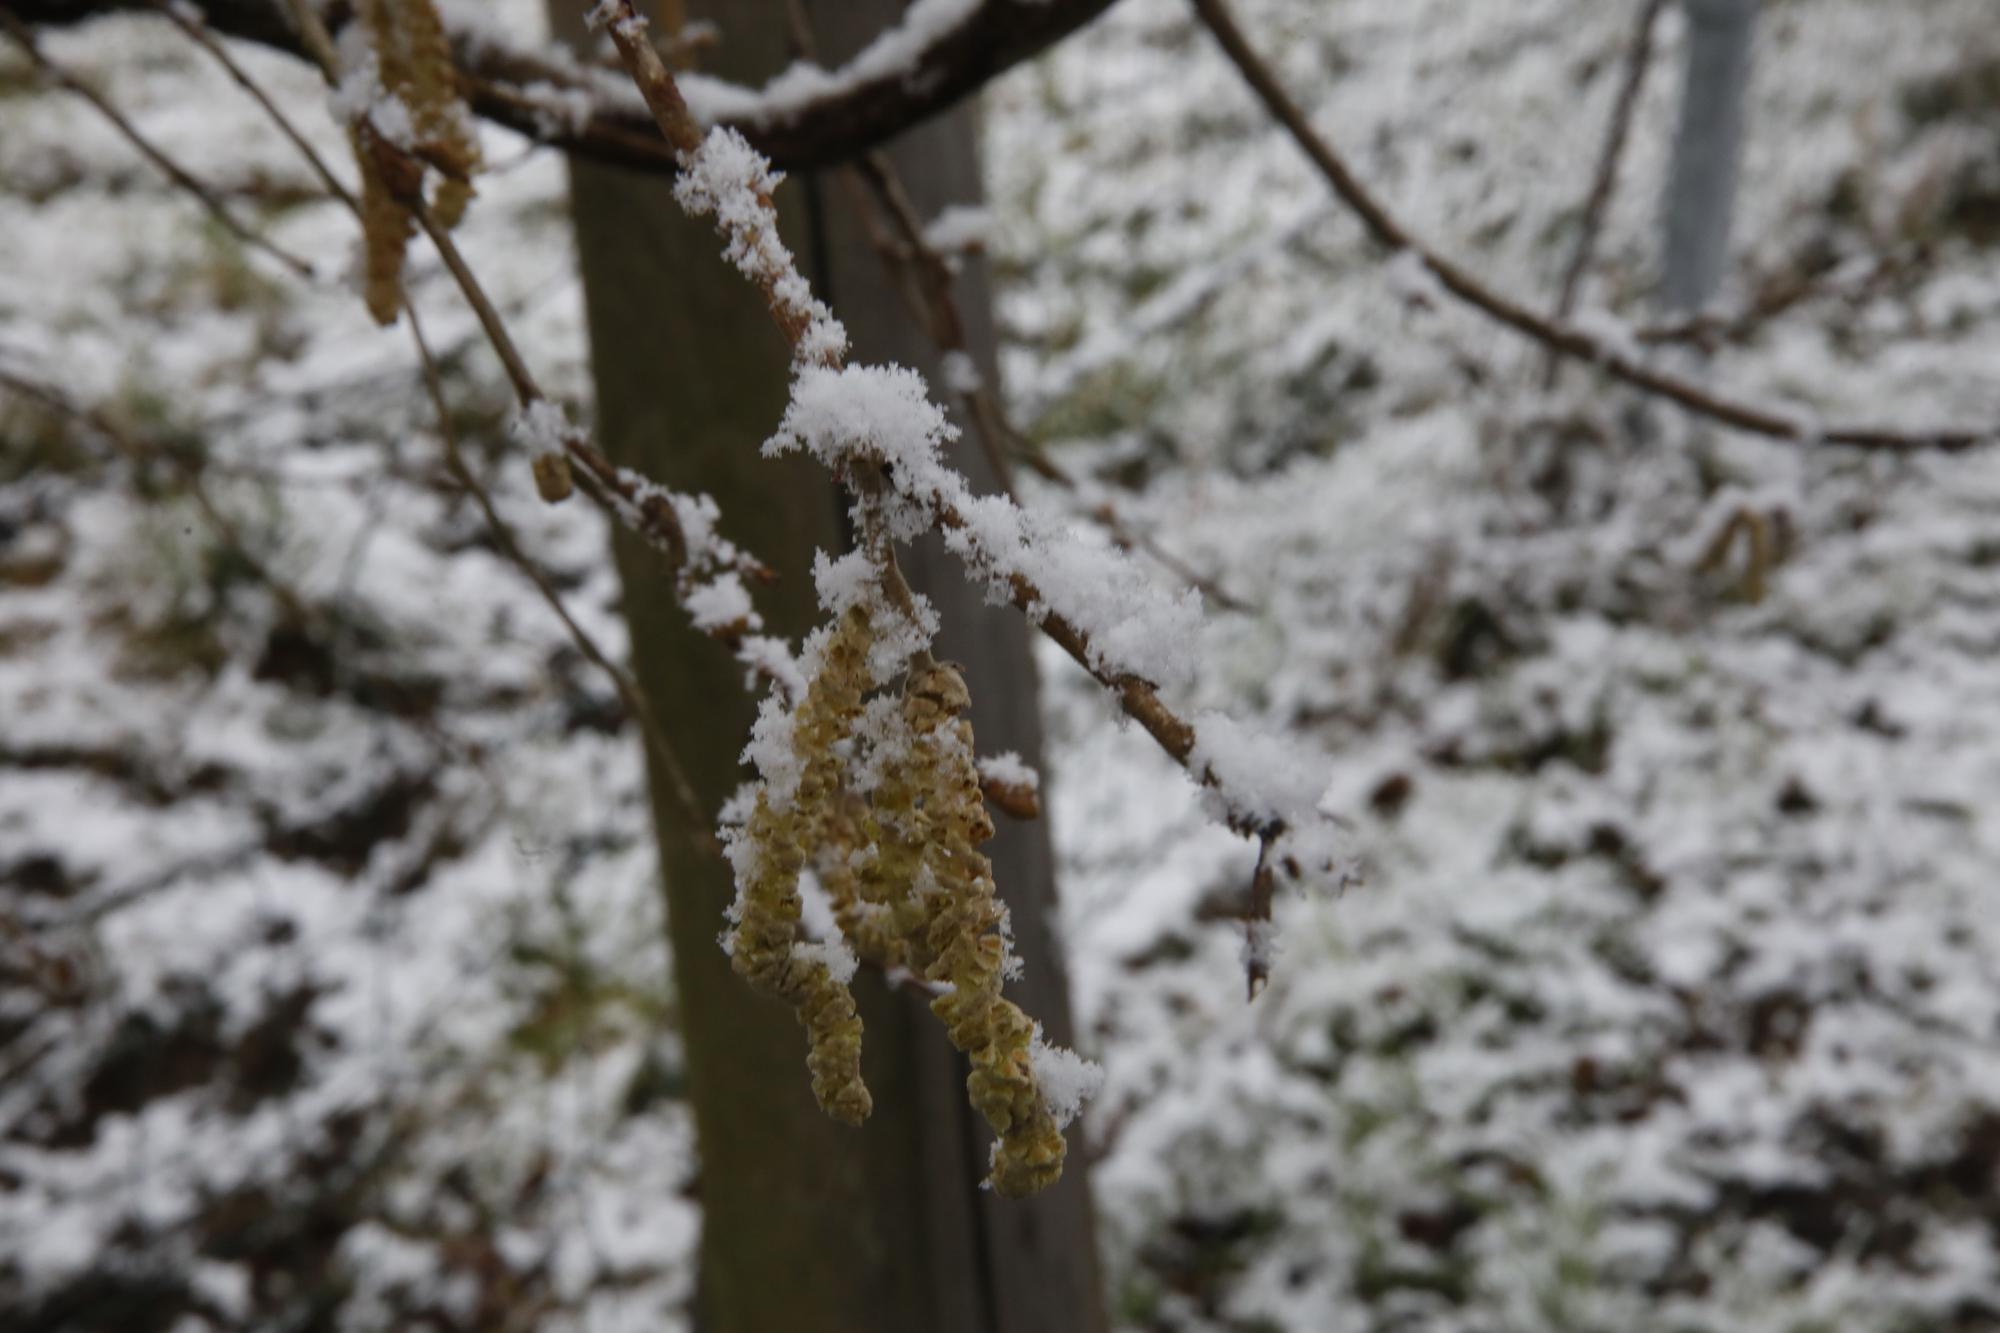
(863, 106)
(1561, 337)
(748, 225)
(1616, 132)
(24, 38)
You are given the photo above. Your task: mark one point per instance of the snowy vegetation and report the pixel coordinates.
(333, 989)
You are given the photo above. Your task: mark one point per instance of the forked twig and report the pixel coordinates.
(1560, 337)
(1617, 132)
(697, 818)
(24, 37)
(796, 312)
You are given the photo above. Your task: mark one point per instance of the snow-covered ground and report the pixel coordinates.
(331, 970)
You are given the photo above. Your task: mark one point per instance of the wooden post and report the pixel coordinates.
(808, 1224)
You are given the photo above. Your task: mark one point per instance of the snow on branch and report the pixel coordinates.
(725, 178)
(709, 571)
(930, 255)
(941, 52)
(879, 787)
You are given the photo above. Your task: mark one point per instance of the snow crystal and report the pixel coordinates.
(1135, 626)
(958, 228)
(884, 738)
(1260, 945)
(879, 411)
(844, 581)
(1066, 1079)
(839, 959)
(359, 94)
(728, 179)
(1269, 776)
(607, 13)
(772, 658)
(721, 602)
(540, 426)
(1009, 770)
(771, 751)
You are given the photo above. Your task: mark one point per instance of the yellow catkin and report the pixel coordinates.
(385, 38)
(848, 854)
(871, 871)
(763, 947)
(968, 951)
(386, 228)
(413, 61)
(386, 224)
(444, 128)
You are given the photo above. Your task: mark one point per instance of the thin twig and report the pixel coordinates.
(929, 288)
(526, 90)
(137, 451)
(629, 694)
(1138, 697)
(1564, 338)
(1257, 922)
(1617, 132)
(24, 38)
(642, 509)
(198, 32)
(1774, 295)
(655, 521)
(318, 41)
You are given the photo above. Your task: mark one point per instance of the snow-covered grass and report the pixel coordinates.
(1666, 1000)
(331, 969)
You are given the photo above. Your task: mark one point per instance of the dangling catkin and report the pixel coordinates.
(764, 947)
(968, 950)
(414, 67)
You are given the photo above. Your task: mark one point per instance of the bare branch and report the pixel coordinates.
(138, 451)
(1616, 133)
(629, 694)
(1559, 337)
(862, 107)
(24, 38)
(199, 33)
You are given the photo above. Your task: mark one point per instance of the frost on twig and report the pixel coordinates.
(711, 573)
(884, 799)
(729, 180)
(1011, 785)
(875, 789)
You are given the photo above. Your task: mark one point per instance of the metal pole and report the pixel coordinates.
(1701, 189)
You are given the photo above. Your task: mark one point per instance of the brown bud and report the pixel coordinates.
(553, 481)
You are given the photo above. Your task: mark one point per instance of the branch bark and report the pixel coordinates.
(500, 80)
